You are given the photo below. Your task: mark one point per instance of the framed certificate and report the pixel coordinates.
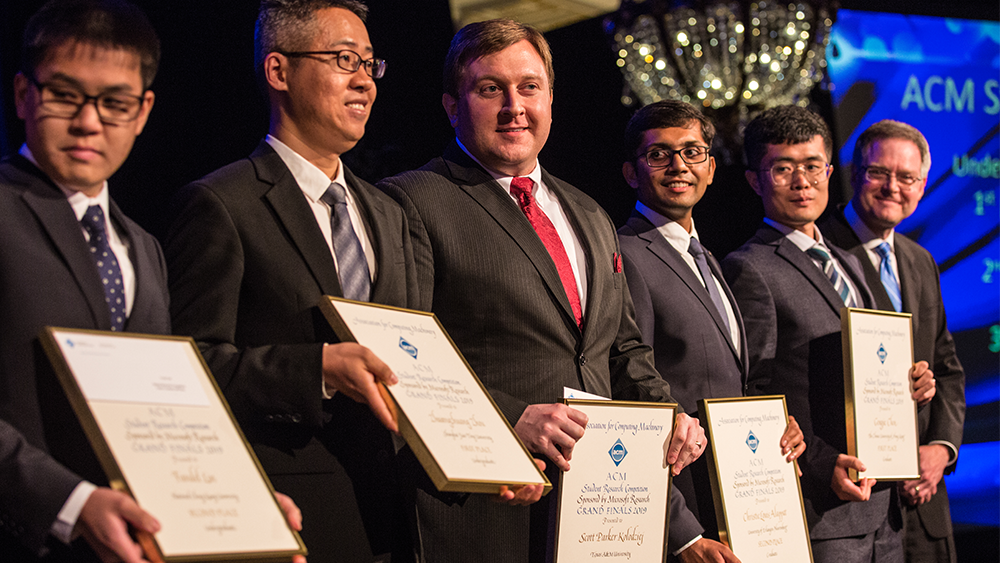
(446, 416)
(614, 501)
(881, 414)
(164, 434)
(758, 499)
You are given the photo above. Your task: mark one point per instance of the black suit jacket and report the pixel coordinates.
(792, 318)
(248, 267)
(920, 284)
(691, 343)
(485, 273)
(47, 277)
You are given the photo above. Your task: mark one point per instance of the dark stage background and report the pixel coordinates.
(208, 112)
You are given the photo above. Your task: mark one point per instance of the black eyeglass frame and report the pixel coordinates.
(374, 67)
(679, 152)
(112, 120)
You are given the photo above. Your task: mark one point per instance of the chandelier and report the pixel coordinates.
(735, 59)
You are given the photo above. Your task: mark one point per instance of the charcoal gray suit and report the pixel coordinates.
(691, 343)
(248, 267)
(485, 273)
(47, 277)
(792, 318)
(943, 418)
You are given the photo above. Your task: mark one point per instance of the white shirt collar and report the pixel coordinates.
(670, 229)
(867, 237)
(77, 199)
(797, 237)
(504, 179)
(311, 180)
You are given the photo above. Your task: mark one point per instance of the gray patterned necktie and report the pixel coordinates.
(826, 264)
(352, 267)
(700, 260)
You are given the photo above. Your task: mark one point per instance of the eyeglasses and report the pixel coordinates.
(782, 173)
(879, 175)
(345, 59)
(661, 157)
(65, 101)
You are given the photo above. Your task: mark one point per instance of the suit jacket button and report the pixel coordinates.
(582, 360)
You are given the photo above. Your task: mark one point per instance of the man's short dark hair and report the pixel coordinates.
(485, 38)
(783, 125)
(889, 129)
(111, 24)
(289, 25)
(661, 115)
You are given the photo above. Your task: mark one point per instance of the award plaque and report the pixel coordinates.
(614, 500)
(446, 416)
(881, 415)
(164, 435)
(758, 499)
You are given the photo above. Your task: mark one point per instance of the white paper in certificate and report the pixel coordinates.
(613, 500)
(760, 490)
(440, 396)
(175, 444)
(884, 413)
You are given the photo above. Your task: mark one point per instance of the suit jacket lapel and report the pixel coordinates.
(850, 243)
(907, 271)
(488, 193)
(294, 214)
(801, 262)
(375, 221)
(57, 218)
(741, 355)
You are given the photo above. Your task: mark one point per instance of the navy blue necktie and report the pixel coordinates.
(352, 267)
(700, 260)
(107, 265)
(888, 277)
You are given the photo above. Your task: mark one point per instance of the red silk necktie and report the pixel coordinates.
(521, 189)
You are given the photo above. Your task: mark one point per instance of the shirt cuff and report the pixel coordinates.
(687, 545)
(327, 393)
(952, 450)
(62, 528)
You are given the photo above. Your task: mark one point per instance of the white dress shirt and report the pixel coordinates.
(680, 239)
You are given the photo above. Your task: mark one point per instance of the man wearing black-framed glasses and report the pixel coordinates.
(889, 171)
(255, 247)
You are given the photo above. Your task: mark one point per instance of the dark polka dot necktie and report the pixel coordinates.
(107, 265)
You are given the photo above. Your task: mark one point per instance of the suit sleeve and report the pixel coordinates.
(947, 416)
(33, 488)
(206, 265)
(767, 377)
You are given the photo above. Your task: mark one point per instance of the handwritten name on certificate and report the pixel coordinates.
(613, 501)
(173, 441)
(448, 417)
(881, 415)
(762, 516)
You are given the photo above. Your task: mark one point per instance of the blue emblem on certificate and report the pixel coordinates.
(618, 452)
(752, 441)
(882, 354)
(407, 347)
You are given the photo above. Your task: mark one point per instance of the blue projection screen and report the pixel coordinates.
(941, 76)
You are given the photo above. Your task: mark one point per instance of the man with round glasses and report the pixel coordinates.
(791, 286)
(889, 171)
(255, 247)
(684, 309)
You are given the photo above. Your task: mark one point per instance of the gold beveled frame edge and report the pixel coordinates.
(670, 474)
(704, 410)
(850, 413)
(423, 455)
(109, 464)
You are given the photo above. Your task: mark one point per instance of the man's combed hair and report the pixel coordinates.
(661, 115)
(783, 125)
(111, 24)
(890, 129)
(287, 25)
(485, 38)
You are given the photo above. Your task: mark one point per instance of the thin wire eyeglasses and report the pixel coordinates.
(782, 173)
(878, 175)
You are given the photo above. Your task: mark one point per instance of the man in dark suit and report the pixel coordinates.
(255, 247)
(791, 286)
(524, 272)
(695, 329)
(83, 93)
(889, 172)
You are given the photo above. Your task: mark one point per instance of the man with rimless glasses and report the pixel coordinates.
(889, 172)
(257, 244)
(791, 284)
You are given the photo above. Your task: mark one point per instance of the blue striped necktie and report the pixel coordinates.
(107, 265)
(887, 276)
(826, 264)
(352, 267)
